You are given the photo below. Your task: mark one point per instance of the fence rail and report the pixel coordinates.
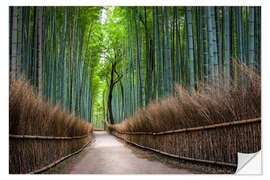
(46, 167)
(232, 123)
(61, 159)
(46, 137)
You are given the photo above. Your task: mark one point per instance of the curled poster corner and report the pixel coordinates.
(249, 163)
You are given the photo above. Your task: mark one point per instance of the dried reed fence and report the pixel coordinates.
(216, 144)
(209, 125)
(41, 135)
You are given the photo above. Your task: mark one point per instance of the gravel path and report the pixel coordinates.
(109, 156)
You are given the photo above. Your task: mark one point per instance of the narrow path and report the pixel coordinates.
(109, 156)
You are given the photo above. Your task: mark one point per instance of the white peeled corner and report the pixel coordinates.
(249, 163)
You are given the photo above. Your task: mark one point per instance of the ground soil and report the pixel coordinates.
(109, 155)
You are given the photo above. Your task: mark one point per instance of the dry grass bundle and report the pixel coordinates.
(30, 115)
(219, 102)
(210, 104)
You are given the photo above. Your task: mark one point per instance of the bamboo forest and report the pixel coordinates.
(181, 82)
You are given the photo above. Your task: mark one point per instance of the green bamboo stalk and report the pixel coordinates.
(247, 35)
(34, 53)
(63, 58)
(186, 61)
(163, 56)
(39, 50)
(14, 44)
(28, 43)
(205, 44)
(10, 38)
(158, 54)
(153, 88)
(251, 55)
(210, 43)
(168, 57)
(148, 60)
(197, 27)
(214, 36)
(19, 60)
(177, 58)
(54, 95)
(219, 37)
(190, 45)
(240, 32)
(201, 44)
(227, 42)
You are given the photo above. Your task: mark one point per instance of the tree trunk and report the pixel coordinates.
(110, 95)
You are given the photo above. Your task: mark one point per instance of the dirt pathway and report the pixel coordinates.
(109, 156)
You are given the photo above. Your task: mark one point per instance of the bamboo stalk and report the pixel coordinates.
(13, 57)
(196, 128)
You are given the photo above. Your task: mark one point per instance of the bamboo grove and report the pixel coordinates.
(56, 49)
(108, 70)
(167, 46)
